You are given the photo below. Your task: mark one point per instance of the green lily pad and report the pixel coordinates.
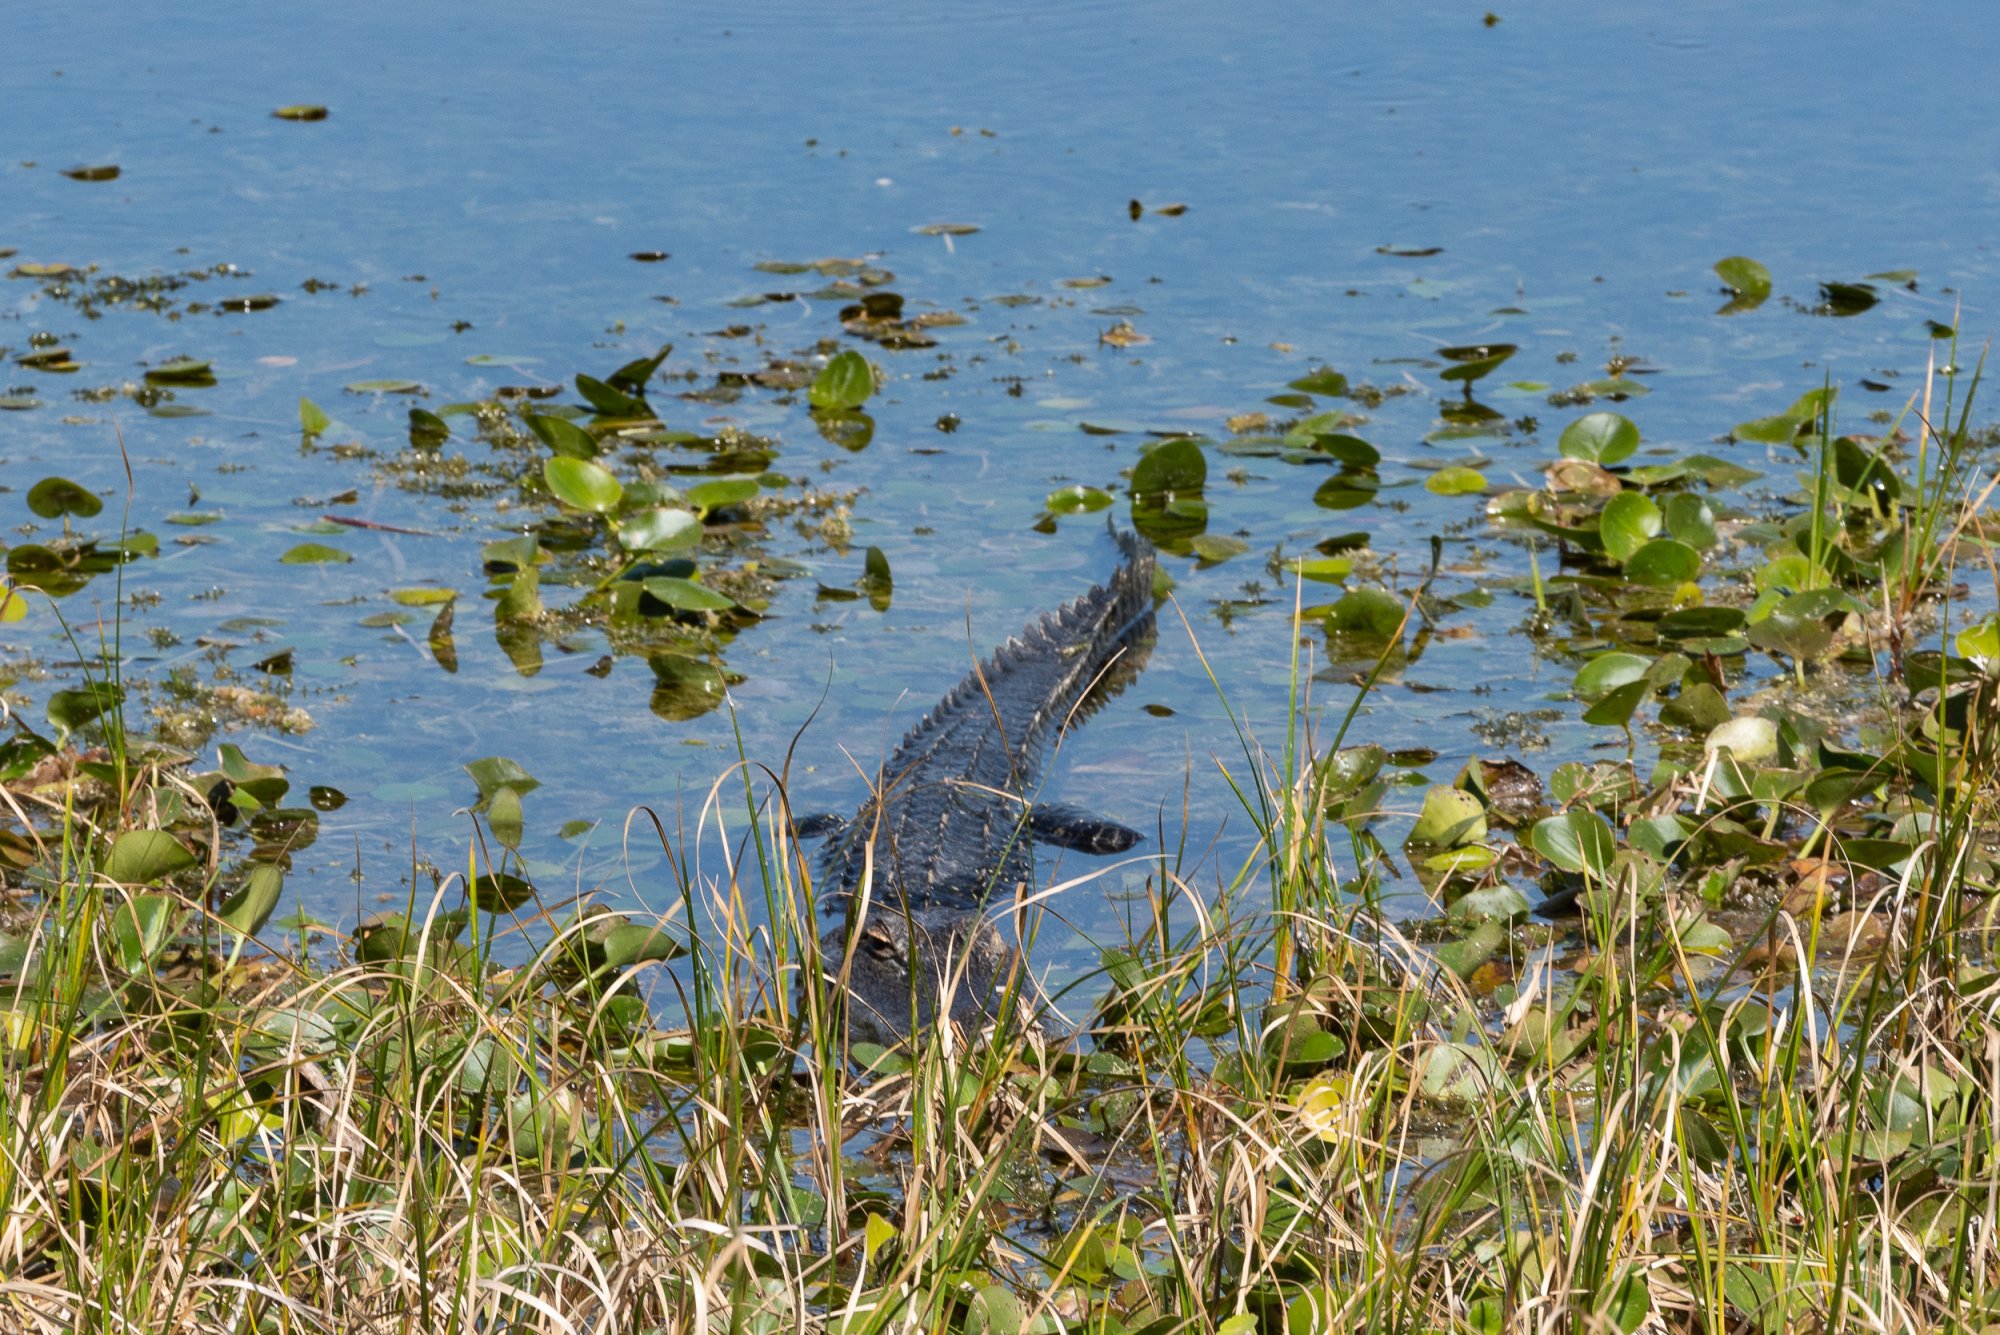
(660, 531)
(842, 384)
(686, 595)
(1450, 817)
(315, 553)
(182, 371)
(1628, 522)
(1177, 466)
(1576, 841)
(55, 497)
(1456, 480)
(1600, 438)
(582, 484)
(1077, 500)
(1663, 561)
(146, 857)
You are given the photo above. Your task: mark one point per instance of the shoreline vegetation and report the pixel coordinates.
(1739, 1075)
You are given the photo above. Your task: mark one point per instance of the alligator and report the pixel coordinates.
(947, 834)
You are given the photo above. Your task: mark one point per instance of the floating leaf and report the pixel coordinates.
(1608, 671)
(683, 687)
(1689, 519)
(315, 553)
(1350, 450)
(876, 579)
(182, 371)
(946, 229)
(582, 484)
(54, 497)
(1214, 548)
(1175, 465)
(1367, 612)
(1663, 561)
(383, 387)
(1616, 708)
(146, 857)
(142, 925)
(501, 892)
(1473, 362)
(1456, 480)
(1575, 841)
(1627, 522)
(610, 402)
(301, 111)
(1748, 282)
(1326, 382)
(720, 492)
(105, 173)
(427, 430)
(246, 911)
(631, 378)
(1451, 817)
(1845, 299)
(563, 436)
(1077, 500)
(444, 649)
(686, 595)
(1752, 740)
(1600, 438)
(426, 596)
(510, 554)
(660, 531)
(843, 384)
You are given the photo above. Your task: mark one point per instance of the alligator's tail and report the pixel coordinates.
(1053, 673)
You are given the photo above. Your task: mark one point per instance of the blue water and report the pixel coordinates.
(1579, 167)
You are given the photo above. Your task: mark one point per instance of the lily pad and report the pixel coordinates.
(1600, 438)
(1628, 522)
(1451, 817)
(1077, 500)
(582, 484)
(1663, 561)
(315, 553)
(844, 383)
(146, 857)
(1456, 480)
(661, 531)
(182, 371)
(55, 497)
(686, 595)
(1176, 465)
(1575, 841)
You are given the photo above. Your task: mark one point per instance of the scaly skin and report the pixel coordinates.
(949, 824)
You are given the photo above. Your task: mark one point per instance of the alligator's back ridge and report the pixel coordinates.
(946, 818)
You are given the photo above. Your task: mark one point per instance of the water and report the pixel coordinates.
(481, 182)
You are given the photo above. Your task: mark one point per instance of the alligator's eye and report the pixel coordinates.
(881, 946)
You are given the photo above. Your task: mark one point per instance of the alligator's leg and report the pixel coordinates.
(1078, 831)
(818, 825)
